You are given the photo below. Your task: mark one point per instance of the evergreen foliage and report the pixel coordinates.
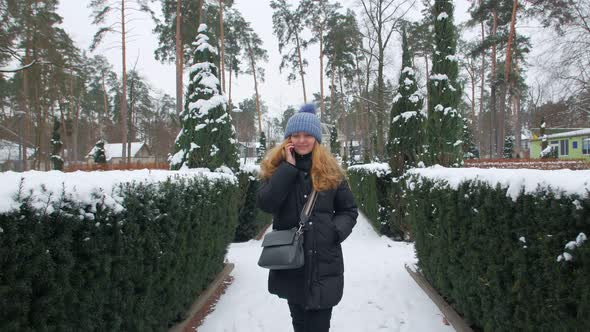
(404, 146)
(99, 153)
(56, 145)
(497, 261)
(288, 24)
(207, 138)
(251, 220)
(335, 146)
(508, 147)
(470, 150)
(377, 195)
(444, 121)
(165, 25)
(90, 268)
(261, 148)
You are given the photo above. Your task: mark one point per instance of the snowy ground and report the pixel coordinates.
(379, 295)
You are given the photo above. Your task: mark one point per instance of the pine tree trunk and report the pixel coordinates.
(367, 137)
(179, 58)
(493, 83)
(472, 76)
(516, 116)
(253, 65)
(507, 67)
(321, 61)
(106, 107)
(76, 131)
(517, 141)
(321, 76)
(63, 129)
(301, 68)
(427, 80)
(222, 45)
(332, 93)
(380, 100)
(200, 11)
(25, 104)
(360, 103)
(229, 86)
(342, 111)
(130, 118)
(39, 128)
(483, 79)
(124, 94)
(74, 146)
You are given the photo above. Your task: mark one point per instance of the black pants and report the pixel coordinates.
(310, 320)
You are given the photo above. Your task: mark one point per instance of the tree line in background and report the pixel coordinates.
(46, 78)
(55, 82)
(495, 102)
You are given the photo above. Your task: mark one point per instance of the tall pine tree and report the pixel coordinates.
(404, 147)
(207, 138)
(444, 121)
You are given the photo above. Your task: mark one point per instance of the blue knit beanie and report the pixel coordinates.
(305, 121)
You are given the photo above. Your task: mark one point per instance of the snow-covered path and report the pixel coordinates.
(379, 295)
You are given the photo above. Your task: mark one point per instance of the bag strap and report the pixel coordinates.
(307, 209)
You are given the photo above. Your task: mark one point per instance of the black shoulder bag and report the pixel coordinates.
(283, 250)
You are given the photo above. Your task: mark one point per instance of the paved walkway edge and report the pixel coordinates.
(452, 316)
(262, 232)
(204, 297)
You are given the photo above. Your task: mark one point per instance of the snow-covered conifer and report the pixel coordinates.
(445, 124)
(406, 118)
(99, 153)
(261, 148)
(207, 138)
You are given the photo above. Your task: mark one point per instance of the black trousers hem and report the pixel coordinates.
(310, 320)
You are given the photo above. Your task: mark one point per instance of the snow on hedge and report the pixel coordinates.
(378, 169)
(250, 168)
(87, 188)
(561, 182)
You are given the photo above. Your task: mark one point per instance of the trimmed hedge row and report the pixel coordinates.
(251, 219)
(376, 193)
(500, 262)
(89, 268)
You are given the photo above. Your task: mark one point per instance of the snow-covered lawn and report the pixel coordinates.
(379, 295)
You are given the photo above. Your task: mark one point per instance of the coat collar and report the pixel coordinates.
(303, 162)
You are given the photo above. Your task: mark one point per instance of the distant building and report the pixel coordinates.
(247, 149)
(572, 144)
(526, 137)
(9, 156)
(140, 153)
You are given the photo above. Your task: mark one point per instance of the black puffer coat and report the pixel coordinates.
(319, 284)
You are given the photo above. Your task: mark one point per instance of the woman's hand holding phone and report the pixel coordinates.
(290, 153)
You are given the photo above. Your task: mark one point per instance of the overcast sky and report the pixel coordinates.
(275, 91)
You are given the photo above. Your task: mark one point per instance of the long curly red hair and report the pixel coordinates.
(326, 173)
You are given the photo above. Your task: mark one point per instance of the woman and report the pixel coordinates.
(289, 172)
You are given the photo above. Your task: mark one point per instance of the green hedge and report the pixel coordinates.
(496, 260)
(251, 219)
(375, 192)
(89, 268)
